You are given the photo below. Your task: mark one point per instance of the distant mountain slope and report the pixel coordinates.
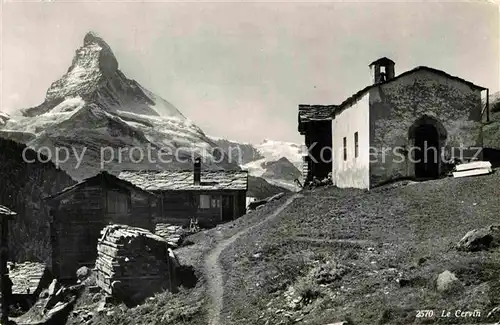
(259, 188)
(281, 169)
(274, 150)
(23, 185)
(95, 107)
(239, 153)
(277, 162)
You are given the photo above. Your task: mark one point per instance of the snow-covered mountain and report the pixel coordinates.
(277, 162)
(94, 111)
(94, 77)
(274, 150)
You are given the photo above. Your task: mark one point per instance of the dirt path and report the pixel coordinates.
(213, 269)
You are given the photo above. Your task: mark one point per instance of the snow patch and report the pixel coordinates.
(169, 131)
(255, 167)
(69, 105)
(37, 125)
(274, 150)
(216, 138)
(162, 106)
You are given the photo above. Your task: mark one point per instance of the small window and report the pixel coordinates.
(204, 202)
(215, 202)
(345, 148)
(356, 145)
(209, 202)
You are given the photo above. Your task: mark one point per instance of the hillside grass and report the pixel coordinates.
(189, 306)
(375, 238)
(491, 131)
(337, 254)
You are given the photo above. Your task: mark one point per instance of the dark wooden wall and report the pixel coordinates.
(76, 226)
(241, 204)
(319, 132)
(78, 219)
(22, 187)
(178, 207)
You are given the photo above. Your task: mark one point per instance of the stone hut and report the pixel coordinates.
(412, 125)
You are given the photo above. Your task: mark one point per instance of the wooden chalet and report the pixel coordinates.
(211, 197)
(315, 123)
(80, 212)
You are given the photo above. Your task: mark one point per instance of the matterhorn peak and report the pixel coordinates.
(107, 58)
(92, 65)
(92, 36)
(94, 78)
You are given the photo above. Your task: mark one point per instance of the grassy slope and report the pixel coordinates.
(409, 231)
(491, 132)
(413, 228)
(188, 306)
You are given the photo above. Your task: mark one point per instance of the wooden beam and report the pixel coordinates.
(53, 242)
(104, 208)
(473, 165)
(472, 172)
(162, 207)
(236, 205)
(221, 209)
(150, 221)
(4, 277)
(487, 105)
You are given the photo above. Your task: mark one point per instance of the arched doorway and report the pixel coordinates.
(426, 152)
(427, 135)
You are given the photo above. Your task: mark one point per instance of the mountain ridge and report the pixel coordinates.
(95, 106)
(278, 162)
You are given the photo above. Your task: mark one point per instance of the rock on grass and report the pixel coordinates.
(480, 239)
(447, 282)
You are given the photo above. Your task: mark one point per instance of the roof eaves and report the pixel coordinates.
(381, 60)
(355, 96)
(167, 175)
(107, 177)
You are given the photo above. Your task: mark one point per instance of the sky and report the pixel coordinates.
(239, 70)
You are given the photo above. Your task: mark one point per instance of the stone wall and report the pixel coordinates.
(395, 106)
